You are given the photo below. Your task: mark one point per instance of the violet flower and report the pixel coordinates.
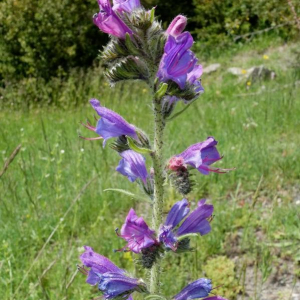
(112, 281)
(178, 60)
(195, 222)
(177, 26)
(200, 156)
(137, 233)
(110, 124)
(197, 289)
(126, 5)
(193, 78)
(99, 264)
(133, 166)
(215, 298)
(108, 22)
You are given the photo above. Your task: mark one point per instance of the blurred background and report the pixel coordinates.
(49, 69)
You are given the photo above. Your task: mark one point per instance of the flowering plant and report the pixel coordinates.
(139, 49)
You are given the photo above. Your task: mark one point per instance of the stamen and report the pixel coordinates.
(121, 250)
(117, 231)
(91, 139)
(210, 219)
(88, 126)
(217, 287)
(82, 270)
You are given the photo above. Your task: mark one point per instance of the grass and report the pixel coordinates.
(256, 212)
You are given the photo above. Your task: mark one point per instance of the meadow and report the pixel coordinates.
(44, 223)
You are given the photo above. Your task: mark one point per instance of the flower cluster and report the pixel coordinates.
(140, 49)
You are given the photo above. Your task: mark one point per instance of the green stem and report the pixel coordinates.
(158, 186)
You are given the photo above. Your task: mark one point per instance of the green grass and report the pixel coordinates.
(257, 134)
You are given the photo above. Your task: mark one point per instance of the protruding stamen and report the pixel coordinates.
(210, 219)
(217, 287)
(117, 231)
(89, 126)
(90, 139)
(82, 270)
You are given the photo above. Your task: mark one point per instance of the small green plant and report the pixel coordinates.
(222, 271)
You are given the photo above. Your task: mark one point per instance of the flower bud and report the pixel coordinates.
(177, 26)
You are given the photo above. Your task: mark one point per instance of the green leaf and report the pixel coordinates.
(136, 148)
(161, 91)
(152, 14)
(130, 45)
(154, 296)
(187, 235)
(180, 112)
(129, 194)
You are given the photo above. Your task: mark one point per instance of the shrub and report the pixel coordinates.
(219, 21)
(43, 38)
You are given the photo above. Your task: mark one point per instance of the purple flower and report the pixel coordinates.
(99, 265)
(193, 78)
(108, 22)
(114, 284)
(110, 125)
(195, 222)
(133, 166)
(111, 280)
(137, 233)
(177, 26)
(126, 5)
(178, 60)
(200, 156)
(197, 289)
(215, 298)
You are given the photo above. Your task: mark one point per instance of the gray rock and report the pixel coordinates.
(261, 73)
(211, 68)
(237, 71)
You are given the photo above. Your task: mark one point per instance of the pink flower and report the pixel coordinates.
(108, 22)
(177, 26)
(137, 233)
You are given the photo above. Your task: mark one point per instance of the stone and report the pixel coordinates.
(211, 68)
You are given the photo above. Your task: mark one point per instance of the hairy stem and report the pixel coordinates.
(158, 186)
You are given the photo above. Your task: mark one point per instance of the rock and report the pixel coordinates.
(211, 68)
(253, 74)
(261, 73)
(237, 71)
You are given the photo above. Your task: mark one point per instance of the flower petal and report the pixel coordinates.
(97, 262)
(114, 284)
(111, 124)
(133, 166)
(136, 232)
(197, 222)
(177, 213)
(197, 289)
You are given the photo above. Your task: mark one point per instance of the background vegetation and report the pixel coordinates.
(44, 95)
(42, 39)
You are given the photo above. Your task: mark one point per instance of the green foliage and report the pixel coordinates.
(221, 271)
(220, 21)
(44, 38)
(54, 164)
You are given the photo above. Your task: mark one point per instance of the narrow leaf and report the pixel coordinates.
(136, 148)
(127, 193)
(152, 14)
(180, 112)
(161, 91)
